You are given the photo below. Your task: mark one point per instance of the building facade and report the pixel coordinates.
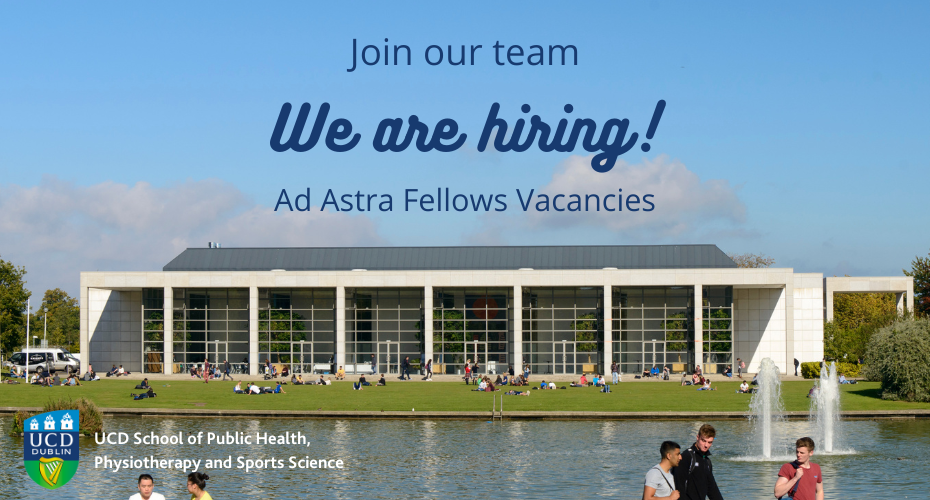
(559, 310)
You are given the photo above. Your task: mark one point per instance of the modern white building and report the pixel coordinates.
(562, 310)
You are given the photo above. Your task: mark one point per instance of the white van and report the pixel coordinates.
(52, 358)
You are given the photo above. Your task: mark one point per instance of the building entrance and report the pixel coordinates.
(389, 357)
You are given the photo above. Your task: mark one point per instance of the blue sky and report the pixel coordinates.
(796, 130)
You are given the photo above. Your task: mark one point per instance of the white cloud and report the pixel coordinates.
(58, 229)
(685, 205)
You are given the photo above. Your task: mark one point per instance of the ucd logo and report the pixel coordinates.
(51, 454)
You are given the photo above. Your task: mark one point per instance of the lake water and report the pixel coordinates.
(478, 460)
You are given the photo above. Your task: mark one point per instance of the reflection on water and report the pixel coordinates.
(476, 459)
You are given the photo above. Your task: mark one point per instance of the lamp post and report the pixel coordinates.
(45, 328)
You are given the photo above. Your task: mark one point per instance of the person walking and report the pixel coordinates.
(226, 370)
(429, 370)
(739, 367)
(405, 369)
(660, 483)
(796, 365)
(206, 370)
(613, 372)
(694, 475)
(801, 479)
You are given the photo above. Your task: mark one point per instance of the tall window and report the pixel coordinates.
(472, 324)
(297, 327)
(653, 326)
(211, 323)
(153, 330)
(385, 325)
(562, 329)
(718, 328)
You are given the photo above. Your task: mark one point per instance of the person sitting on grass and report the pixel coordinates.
(605, 389)
(357, 386)
(56, 380)
(744, 388)
(341, 374)
(278, 389)
(552, 386)
(254, 389)
(504, 381)
(517, 393)
(144, 395)
(481, 386)
(498, 381)
(300, 380)
(842, 379)
(294, 379)
(73, 380)
(238, 388)
(583, 380)
(600, 381)
(706, 386)
(362, 381)
(381, 381)
(144, 384)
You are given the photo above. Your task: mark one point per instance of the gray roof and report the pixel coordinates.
(451, 258)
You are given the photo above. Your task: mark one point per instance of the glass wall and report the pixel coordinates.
(297, 327)
(153, 330)
(472, 324)
(563, 329)
(384, 325)
(653, 326)
(718, 328)
(211, 323)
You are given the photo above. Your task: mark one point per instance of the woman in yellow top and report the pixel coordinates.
(341, 374)
(196, 482)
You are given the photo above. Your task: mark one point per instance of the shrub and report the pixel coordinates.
(812, 369)
(898, 356)
(91, 417)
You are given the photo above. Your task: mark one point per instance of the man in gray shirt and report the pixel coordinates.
(660, 483)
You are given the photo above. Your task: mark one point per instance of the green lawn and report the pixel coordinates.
(440, 396)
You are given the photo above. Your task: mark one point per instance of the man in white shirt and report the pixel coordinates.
(660, 483)
(146, 485)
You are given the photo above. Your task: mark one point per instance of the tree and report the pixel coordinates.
(920, 271)
(853, 310)
(64, 319)
(751, 260)
(13, 297)
(899, 357)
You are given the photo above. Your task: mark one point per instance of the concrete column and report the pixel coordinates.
(608, 328)
(341, 326)
(168, 307)
(253, 331)
(517, 329)
(910, 295)
(699, 325)
(428, 325)
(85, 330)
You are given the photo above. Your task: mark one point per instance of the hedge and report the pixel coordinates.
(91, 418)
(812, 369)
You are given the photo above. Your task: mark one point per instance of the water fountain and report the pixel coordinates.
(825, 407)
(766, 407)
